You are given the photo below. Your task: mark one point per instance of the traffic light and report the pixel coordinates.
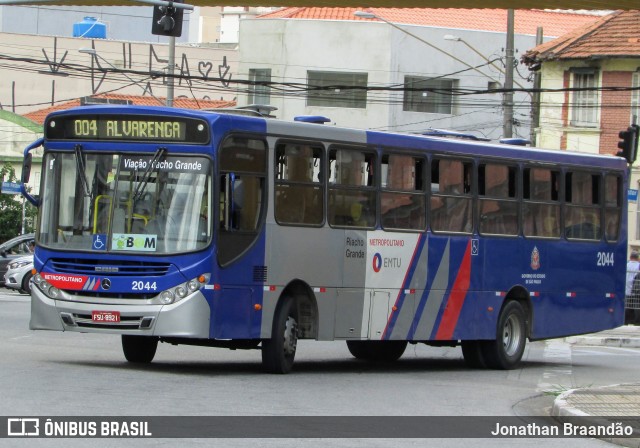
(629, 143)
(167, 20)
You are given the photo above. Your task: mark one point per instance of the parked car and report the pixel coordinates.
(19, 274)
(14, 248)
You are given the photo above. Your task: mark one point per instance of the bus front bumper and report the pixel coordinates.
(189, 317)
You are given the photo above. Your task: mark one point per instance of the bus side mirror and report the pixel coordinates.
(26, 171)
(26, 168)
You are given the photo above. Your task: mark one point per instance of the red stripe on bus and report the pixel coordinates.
(456, 298)
(405, 282)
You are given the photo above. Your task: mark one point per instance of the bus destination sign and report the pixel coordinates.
(128, 127)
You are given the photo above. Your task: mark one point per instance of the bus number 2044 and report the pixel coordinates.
(143, 286)
(605, 258)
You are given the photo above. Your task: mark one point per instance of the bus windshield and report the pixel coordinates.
(156, 204)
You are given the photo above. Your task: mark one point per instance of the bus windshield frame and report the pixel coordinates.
(118, 202)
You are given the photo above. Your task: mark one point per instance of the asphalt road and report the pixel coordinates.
(73, 374)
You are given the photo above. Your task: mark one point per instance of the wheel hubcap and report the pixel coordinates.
(290, 336)
(511, 336)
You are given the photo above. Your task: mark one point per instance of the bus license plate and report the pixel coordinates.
(105, 316)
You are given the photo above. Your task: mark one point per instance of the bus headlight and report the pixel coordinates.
(166, 297)
(193, 285)
(183, 290)
(48, 289)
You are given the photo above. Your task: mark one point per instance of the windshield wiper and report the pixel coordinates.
(81, 169)
(160, 154)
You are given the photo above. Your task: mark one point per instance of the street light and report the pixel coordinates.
(94, 53)
(370, 15)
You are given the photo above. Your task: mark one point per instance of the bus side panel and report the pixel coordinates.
(311, 256)
(562, 302)
(234, 314)
(449, 273)
(582, 288)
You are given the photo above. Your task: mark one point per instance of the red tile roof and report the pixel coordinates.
(38, 116)
(526, 21)
(615, 35)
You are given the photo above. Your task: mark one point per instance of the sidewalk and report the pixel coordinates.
(625, 336)
(607, 404)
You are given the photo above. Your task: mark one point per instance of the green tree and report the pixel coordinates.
(11, 209)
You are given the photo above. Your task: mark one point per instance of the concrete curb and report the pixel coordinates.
(564, 410)
(607, 341)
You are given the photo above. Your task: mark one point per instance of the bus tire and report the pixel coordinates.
(472, 353)
(26, 285)
(379, 351)
(505, 352)
(279, 352)
(139, 349)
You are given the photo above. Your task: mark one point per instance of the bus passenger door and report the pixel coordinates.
(379, 314)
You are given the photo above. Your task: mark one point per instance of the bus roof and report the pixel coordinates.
(300, 129)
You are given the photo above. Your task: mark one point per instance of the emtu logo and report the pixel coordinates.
(377, 263)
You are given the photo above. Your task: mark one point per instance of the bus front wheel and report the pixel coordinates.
(279, 352)
(505, 352)
(139, 349)
(382, 351)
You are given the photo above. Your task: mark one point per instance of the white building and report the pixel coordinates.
(444, 55)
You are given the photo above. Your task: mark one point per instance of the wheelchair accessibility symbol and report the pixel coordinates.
(475, 247)
(99, 242)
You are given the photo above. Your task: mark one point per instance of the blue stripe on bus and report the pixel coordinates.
(405, 284)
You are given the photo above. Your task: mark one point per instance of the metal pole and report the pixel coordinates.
(535, 97)
(23, 217)
(507, 128)
(170, 71)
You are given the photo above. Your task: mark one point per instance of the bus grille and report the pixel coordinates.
(112, 268)
(260, 274)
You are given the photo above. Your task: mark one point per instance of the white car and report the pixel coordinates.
(19, 274)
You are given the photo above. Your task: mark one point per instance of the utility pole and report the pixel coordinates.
(171, 70)
(507, 127)
(535, 97)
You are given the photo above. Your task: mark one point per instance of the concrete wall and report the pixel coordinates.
(37, 81)
(292, 47)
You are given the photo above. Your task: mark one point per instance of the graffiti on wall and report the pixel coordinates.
(195, 74)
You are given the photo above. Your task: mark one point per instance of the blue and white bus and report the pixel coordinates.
(224, 230)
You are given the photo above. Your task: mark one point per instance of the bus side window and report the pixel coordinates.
(612, 203)
(582, 206)
(497, 203)
(402, 199)
(242, 168)
(541, 209)
(352, 189)
(299, 191)
(451, 209)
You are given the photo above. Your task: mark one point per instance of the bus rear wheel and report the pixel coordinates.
(279, 352)
(139, 349)
(472, 353)
(380, 351)
(505, 352)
